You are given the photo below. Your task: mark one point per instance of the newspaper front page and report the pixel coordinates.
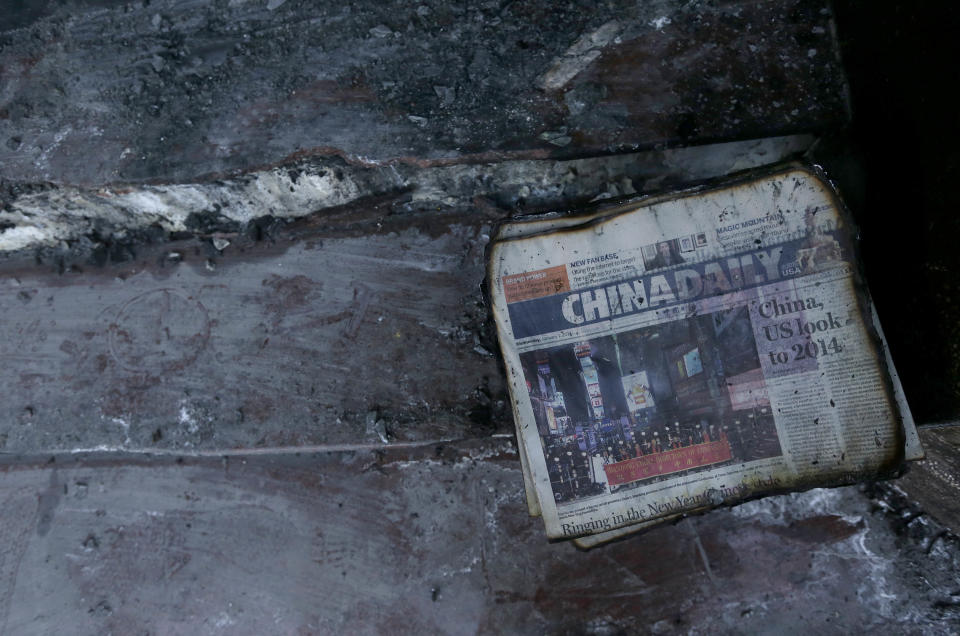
(692, 351)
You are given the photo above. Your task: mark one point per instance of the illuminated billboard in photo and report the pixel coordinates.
(636, 388)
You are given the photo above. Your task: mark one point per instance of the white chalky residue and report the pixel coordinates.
(224, 620)
(126, 429)
(169, 206)
(187, 419)
(659, 23)
(65, 213)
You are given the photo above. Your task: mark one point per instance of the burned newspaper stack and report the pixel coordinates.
(680, 352)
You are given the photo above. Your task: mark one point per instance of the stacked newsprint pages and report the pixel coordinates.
(676, 353)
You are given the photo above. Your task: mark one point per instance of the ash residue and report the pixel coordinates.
(924, 553)
(343, 197)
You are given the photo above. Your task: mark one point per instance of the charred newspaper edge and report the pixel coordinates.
(544, 221)
(913, 449)
(535, 226)
(593, 540)
(531, 226)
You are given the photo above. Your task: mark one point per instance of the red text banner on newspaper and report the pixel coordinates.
(670, 461)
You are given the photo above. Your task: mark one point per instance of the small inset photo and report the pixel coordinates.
(662, 254)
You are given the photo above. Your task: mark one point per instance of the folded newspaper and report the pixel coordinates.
(676, 353)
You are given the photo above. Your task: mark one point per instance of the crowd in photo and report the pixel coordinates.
(577, 455)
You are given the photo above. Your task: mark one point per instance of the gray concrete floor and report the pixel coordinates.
(437, 540)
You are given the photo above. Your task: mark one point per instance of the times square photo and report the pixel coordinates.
(650, 404)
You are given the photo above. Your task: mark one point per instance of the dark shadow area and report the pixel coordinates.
(898, 167)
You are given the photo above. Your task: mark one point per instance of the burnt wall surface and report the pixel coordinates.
(96, 92)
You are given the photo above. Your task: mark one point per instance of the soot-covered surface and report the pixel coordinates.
(98, 92)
